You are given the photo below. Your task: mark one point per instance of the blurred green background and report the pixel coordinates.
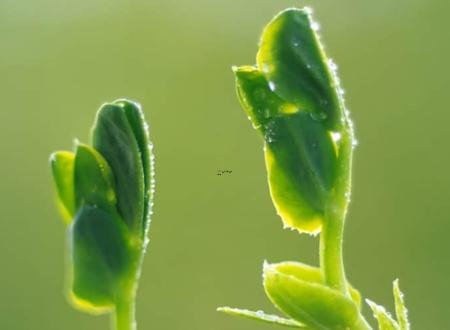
(60, 59)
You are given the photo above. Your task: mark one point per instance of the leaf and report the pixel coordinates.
(256, 98)
(301, 155)
(311, 303)
(294, 63)
(301, 167)
(261, 316)
(136, 119)
(94, 181)
(400, 308)
(385, 321)
(101, 261)
(311, 274)
(114, 138)
(62, 165)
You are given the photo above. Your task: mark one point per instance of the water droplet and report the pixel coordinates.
(266, 112)
(332, 65)
(309, 66)
(308, 10)
(318, 116)
(272, 86)
(348, 195)
(265, 68)
(315, 26)
(270, 134)
(336, 136)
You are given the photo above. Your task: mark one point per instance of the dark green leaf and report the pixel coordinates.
(114, 138)
(140, 129)
(300, 153)
(101, 259)
(295, 65)
(301, 164)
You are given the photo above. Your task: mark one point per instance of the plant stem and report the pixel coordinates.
(331, 251)
(124, 316)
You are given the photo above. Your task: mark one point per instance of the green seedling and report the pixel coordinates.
(105, 194)
(293, 98)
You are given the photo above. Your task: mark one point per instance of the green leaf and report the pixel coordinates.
(294, 63)
(136, 119)
(261, 316)
(256, 98)
(400, 308)
(114, 138)
(311, 303)
(301, 154)
(385, 321)
(308, 273)
(62, 165)
(301, 166)
(94, 182)
(101, 261)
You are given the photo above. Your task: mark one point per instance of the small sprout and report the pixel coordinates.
(385, 320)
(400, 308)
(294, 100)
(105, 194)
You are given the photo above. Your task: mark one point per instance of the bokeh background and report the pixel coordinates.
(60, 59)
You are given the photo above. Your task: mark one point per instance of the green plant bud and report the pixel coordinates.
(119, 134)
(62, 165)
(308, 273)
(308, 301)
(107, 190)
(300, 153)
(101, 259)
(294, 63)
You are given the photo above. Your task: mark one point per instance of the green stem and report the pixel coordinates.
(124, 316)
(331, 261)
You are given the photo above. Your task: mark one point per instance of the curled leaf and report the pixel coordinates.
(308, 273)
(309, 302)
